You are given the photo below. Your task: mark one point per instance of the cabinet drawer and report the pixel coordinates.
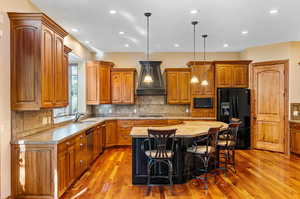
(64, 146)
(295, 126)
(125, 123)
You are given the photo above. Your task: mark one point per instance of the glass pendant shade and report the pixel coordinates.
(204, 83)
(194, 80)
(148, 79)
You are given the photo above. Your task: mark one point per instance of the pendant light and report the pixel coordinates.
(148, 78)
(204, 82)
(194, 79)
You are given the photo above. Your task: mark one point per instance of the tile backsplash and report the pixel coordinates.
(295, 111)
(30, 122)
(144, 105)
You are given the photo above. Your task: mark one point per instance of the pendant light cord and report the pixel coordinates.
(148, 38)
(194, 43)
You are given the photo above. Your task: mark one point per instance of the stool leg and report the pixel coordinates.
(170, 172)
(149, 171)
(233, 160)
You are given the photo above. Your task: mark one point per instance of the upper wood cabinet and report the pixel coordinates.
(203, 71)
(232, 74)
(98, 82)
(37, 62)
(122, 85)
(178, 85)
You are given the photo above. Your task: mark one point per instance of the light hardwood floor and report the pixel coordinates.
(260, 174)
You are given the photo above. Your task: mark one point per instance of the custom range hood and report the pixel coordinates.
(154, 87)
(150, 78)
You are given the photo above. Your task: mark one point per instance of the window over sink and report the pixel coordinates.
(68, 113)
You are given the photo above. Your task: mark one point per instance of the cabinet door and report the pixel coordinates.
(184, 87)
(295, 141)
(240, 76)
(25, 65)
(71, 160)
(116, 87)
(128, 87)
(48, 73)
(111, 134)
(100, 139)
(104, 91)
(62, 172)
(223, 76)
(91, 83)
(172, 88)
(60, 74)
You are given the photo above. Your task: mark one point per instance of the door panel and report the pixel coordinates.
(269, 107)
(48, 68)
(60, 74)
(116, 87)
(104, 78)
(223, 76)
(240, 76)
(184, 87)
(128, 87)
(91, 83)
(172, 87)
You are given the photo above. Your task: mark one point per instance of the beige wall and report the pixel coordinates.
(171, 59)
(280, 51)
(5, 113)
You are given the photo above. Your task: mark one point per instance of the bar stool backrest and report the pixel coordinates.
(163, 142)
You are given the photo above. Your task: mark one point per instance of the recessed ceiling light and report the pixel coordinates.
(274, 11)
(121, 33)
(87, 42)
(194, 11)
(126, 45)
(176, 45)
(226, 45)
(74, 30)
(244, 32)
(112, 12)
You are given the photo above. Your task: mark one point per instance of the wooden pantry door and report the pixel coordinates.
(269, 105)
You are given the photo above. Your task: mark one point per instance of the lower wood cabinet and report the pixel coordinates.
(295, 137)
(111, 137)
(47, 171)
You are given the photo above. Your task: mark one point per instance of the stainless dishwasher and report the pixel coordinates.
(90, 144)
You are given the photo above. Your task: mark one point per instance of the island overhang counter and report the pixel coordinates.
(186, 132)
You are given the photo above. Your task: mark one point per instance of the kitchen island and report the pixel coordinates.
(185, 133)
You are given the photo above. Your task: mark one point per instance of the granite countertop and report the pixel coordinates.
(187, 129)
(60, 134)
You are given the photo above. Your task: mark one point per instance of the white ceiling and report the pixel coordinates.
(222, 20)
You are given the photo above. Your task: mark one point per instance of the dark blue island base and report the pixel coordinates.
(183, 163)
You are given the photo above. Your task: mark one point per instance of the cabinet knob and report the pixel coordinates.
(81, 145)
(81, 136)
(68, 143)
(81, 161)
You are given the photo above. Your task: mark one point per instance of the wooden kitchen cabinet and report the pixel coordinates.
(98, 83)
(232, 74)
(123, 85)
(295, 137)
(66, 165)
(98, 140)
(37, 62)
(111, 137)
(81, 162)
(178, 85)
(203, 70)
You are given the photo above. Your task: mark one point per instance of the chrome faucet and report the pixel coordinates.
(77, 116)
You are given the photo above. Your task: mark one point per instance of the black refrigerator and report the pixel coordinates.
(235, 103)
